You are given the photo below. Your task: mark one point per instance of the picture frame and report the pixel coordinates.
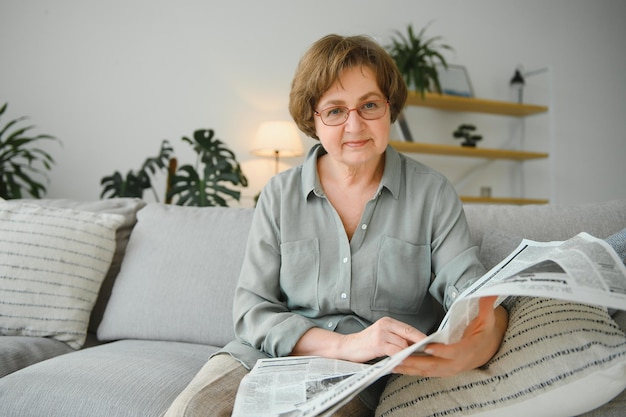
(454, 80)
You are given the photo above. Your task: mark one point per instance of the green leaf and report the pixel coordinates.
(23, 167)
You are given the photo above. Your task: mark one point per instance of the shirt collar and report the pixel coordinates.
(311, 182)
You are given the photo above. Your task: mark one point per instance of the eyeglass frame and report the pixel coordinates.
(318, 113)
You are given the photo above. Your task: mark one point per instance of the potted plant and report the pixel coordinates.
(417, 58)
(22, 165)
(203, 184)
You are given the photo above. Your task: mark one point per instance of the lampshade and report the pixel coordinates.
(277, 138)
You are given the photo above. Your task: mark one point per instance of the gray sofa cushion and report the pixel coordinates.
(179, 274)
(18, 352)
(121, 379)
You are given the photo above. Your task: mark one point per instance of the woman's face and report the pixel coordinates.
(357, 141)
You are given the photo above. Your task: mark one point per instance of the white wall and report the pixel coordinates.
(112, 79)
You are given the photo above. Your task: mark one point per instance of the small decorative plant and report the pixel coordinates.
(465, 132)
(203, 184)
(417, 57)
(22, 165)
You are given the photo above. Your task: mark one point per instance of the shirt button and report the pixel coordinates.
(452, 292)
(364, 226)
(344, 295)
(345, 260)
(330, 325)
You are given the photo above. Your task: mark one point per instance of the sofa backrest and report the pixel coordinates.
(181, 265)
(498, 229)
(546, 222)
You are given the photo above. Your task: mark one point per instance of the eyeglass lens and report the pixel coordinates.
(370, 110)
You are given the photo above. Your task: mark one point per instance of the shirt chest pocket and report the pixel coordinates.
(402, 276)
(299, 273)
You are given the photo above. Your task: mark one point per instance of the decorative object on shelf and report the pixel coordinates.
(517, 85)
(416, 57)
(518, 81)
(464, 131)
(454, 80)
(202, 184)
(20, 162)
(277, 139)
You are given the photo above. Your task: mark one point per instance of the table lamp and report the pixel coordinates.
(277, 139)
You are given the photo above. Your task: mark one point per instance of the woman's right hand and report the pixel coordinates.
(385, 337)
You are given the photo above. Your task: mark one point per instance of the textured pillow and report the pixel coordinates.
(126, 207)
(178, 275)
(552, 353)
(52, 263)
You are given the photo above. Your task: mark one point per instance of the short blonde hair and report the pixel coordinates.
(324, 62)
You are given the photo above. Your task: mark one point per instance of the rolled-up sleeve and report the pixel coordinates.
(455, 261)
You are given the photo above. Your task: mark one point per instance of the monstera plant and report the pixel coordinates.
(23, 166)
(204, 183)
(136, 182)
(417, 58)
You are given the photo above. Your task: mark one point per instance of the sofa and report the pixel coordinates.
(159, 286)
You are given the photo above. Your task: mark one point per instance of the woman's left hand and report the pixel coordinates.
(481, 340)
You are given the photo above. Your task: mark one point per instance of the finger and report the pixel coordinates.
(397, 342)
(486, 315)
(407, 332)
(423, 365)
(486, 304)
(441, 351)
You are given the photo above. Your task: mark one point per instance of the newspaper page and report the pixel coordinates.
(582, 269)
(276, 385)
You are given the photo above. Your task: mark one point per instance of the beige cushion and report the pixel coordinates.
(52, 264)
(126, 207)
(553, 352)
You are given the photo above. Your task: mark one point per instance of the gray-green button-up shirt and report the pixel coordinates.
(410, 256)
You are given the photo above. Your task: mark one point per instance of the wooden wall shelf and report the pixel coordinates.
(475, 105)
(503, 200)
(452, 150)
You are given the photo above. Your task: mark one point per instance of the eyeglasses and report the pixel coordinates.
(337, 115)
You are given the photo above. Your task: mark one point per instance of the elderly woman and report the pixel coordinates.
(356, 253)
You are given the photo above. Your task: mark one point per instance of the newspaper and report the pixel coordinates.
(582, 269)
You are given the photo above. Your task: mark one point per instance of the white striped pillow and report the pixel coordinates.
(52, 264)
(557, 359)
